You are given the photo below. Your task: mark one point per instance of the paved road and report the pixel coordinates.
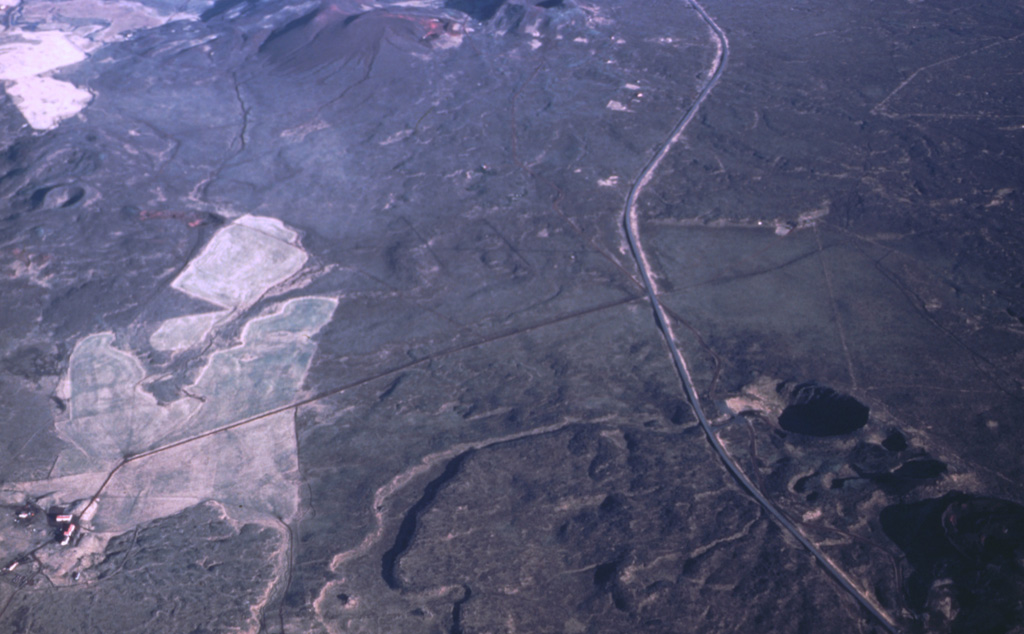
(631, 224)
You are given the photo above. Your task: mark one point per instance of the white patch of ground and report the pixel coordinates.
(181, 333)
(230, 438)
(759, 396)
(25, 57)
(97, 21)
(270, 226)
(810, 218)
(61, 33)
(29, 53)
(111, 415)
(397, 136)
(617, 106)
(254, 467)
(242, 262)
(264, 373)
(45, 101)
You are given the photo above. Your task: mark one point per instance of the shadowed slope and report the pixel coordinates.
(328, 34)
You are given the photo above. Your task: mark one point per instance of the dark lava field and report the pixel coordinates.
(512, 316)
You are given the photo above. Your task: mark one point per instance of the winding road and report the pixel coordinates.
(631, 225)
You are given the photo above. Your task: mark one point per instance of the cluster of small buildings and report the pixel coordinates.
(67, 526)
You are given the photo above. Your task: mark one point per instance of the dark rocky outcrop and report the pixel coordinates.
(967, 554)
(817, 410)
(481, 10)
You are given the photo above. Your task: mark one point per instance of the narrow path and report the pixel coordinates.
(631, 226)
